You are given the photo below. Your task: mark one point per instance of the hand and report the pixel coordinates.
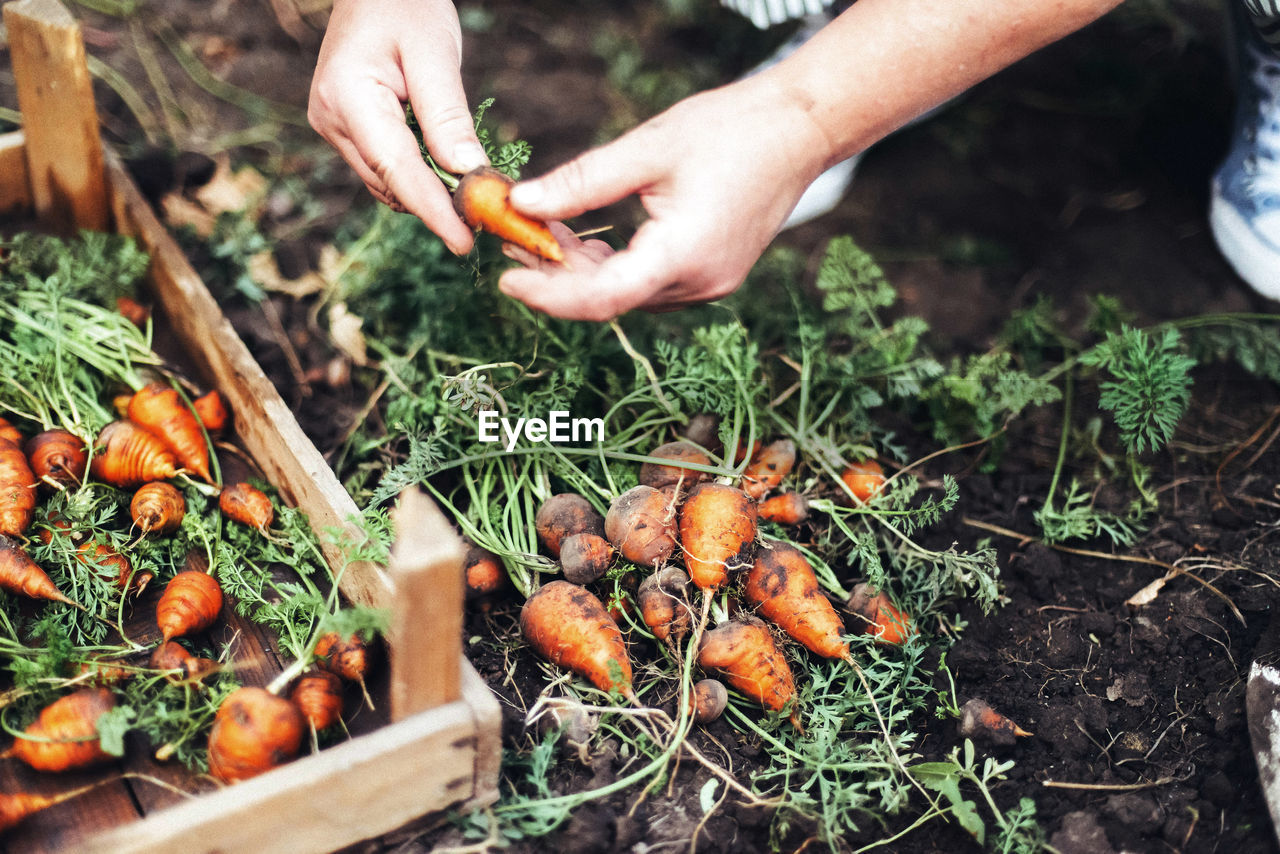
(717, 173)
(376, 56)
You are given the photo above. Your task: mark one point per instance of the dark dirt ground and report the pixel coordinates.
(1082, 170)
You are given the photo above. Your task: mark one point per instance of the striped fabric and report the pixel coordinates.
(766, 13)
(1265, 16)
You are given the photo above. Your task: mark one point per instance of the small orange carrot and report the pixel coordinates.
(211, 409)
(190, 603)
(347, 656)
(65, 735)
(181, 665)
(484, 572)
(158, 508)
(567, 625)
(58, 457)
(659, 475)
(717, 533)
(744, 653)
(882, 618)
(784, 587)
(133, 311)
(16, 807)
(768, 466)
(585, 558)
(17, 490)
(641, 525)
(128, 455)
(247, 504)
(22, 576)
(864, 479)
(482, 199)
(160, 408)
(318, 695)
(979, 720)
(787, 508)
(564, 515)
(10, 432)
(104, 560)
(663, 603)
(253, 732)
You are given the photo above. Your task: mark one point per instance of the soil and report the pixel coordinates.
(1083, 170)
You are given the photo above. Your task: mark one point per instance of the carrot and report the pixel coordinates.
(253, 732)
(17, 490)
(568, 625)
(128, 455)
(585, 558)
(158, 508)
(787, 508)
(104, 560)
(703, 429)
(484, 573)
(482, 199)
(979, 720)
(783, 585)
(181, 665)
(563, 515)
(318, 695)
(659, 475)
(22, 576)
(133, 311)
(65, 735)
(709, 699)
(160, 408)
(883, 619)
(768, 466)
(211, 409)
(102, 673)
(10, 432)
(247, 504)
(864, 479)
(58, 457)
(663, 603)
(743, 652)
(120, 405)
(190, 603)
(717, 533)
(641, 525)
(346, 656)
(18, 806)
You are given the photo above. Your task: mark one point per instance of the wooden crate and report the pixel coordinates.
(441, 748)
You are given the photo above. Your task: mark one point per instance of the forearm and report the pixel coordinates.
(884, 62)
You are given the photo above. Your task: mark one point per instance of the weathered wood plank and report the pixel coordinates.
(15, 189)
(55, 95)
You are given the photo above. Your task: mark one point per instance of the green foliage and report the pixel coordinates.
(978, 396)
(1150, 384)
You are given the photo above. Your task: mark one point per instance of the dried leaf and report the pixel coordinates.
(344, 330)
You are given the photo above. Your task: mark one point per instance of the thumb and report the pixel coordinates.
(590, 181)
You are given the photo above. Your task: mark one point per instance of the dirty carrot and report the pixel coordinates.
(708, 698)
(484, 572)
(211, 409)
(569, 626)
(65, 735)
(160, 408)
(563, 515)
(158, 508)
(768, 466)
(585, 558)
(743, 652)
(18, 806)
(254, 731)
(180, 665)
(864, 479)
(346, 656)
(659, 475)
(22, 576)
(717, 533)
(58, 457)
(128, 455)
(247, 504)
(104, 560)
(663, 605)
(482, 199)
(9, 431)
(318, 695)
(882, 618)
(133, 311)
(641, 525)
(783, 585)
(787, 508)
(17, 490)
(190, 603)
(979, 720)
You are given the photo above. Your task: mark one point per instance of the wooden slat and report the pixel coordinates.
(264, 424)
(342, 795)
(55, 95)
(15, 191)
(426, 629)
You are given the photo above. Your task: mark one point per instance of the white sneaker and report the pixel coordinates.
(1244, 210)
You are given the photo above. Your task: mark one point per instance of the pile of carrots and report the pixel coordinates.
(687, 552)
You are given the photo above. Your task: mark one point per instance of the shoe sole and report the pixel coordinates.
(1252, 258)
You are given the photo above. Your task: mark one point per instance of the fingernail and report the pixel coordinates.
(523, 195)
(469, 155)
